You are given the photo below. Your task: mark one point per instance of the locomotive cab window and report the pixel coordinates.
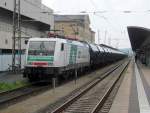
(62, 47)
(42, 48)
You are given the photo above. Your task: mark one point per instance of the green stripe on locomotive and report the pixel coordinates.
(40, 58)
(73, 54)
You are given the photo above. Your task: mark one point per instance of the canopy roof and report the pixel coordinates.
(139, 37)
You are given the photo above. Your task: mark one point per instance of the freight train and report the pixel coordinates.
(54, 57)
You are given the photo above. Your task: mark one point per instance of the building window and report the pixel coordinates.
(5, 4)
(6, 41)
(26, 42)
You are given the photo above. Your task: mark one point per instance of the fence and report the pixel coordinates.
(6, 62)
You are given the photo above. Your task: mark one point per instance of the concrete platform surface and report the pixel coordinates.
(10, 78)
(134, 93)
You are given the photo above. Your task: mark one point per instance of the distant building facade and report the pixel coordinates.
(74, 26)
(36, 20)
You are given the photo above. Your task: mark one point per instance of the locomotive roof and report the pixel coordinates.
(59, 40)
(112, 49)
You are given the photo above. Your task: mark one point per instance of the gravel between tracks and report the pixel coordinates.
(53, 106)
(50, 97)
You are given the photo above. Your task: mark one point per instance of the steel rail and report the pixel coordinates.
(107, 93)
(16, 94)
(73, 99)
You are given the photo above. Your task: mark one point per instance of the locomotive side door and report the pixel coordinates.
(65, 54)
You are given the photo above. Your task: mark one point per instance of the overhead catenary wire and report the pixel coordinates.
(107, 21)
(93, 4)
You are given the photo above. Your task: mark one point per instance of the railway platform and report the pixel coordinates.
(134, 93)
(10, 78)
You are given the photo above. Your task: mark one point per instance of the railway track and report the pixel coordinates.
(92, 98)
(13, 96)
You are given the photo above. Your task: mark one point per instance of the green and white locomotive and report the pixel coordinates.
(51, 57)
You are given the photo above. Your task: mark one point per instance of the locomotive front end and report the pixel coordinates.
(39, 58)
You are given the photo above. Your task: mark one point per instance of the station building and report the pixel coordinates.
(140, 41)
(75, 26)
(36, 21)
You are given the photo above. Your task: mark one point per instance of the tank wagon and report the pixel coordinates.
(102, 55)
(112, 54)
(54, 57)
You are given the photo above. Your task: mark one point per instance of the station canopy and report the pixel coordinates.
(139, 37)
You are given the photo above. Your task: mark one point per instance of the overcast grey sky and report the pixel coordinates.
(113, 22)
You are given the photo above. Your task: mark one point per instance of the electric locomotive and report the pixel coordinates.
(50, 57)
